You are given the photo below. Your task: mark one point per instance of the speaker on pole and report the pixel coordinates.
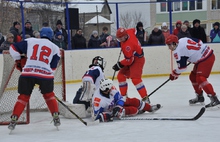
(73, 18)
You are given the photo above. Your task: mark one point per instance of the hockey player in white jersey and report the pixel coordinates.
(107, 103)
(42, 58)
(203, 58)
(91, 82)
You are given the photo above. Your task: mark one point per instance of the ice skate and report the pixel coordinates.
(214, 102)
(56, 119)
(13, 123)
(198, 100)
(154, 108)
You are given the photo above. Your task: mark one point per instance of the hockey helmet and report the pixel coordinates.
(106, 84)
(99, 61)
(172, 39)
(121, 32)
(46, 32)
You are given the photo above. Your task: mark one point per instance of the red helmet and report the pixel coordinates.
(121, 32)
(172, 38)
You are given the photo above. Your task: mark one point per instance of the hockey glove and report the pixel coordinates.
(105, 117)
(18, 65)
(174, 75)
(118, 111)
(117, 66)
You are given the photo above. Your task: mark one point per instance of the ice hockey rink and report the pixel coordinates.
(173, 96)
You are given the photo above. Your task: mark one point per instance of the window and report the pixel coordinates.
(199, 4)
(192, 5)
(176, 6)
(163, 7)
(185, 6)
(215, 4)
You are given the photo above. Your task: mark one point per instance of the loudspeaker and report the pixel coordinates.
(73, 18)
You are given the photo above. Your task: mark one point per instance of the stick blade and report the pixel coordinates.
(201, 112)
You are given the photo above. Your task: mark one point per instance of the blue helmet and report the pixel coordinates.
(46, 32)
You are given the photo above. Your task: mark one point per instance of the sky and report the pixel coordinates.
(173, 96)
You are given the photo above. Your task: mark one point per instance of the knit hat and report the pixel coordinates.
(16, 23)
(164, 24)
(58, 33)
(196, 21)
(95, 32)
(59, 22)
(186, 21)
(139, 24)
(9, 35)
(27, 22)
(216, 24)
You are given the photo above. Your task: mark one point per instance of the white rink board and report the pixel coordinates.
(158, 61)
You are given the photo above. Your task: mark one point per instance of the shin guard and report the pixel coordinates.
(51, 102)
(140, 87)
(205, 85)
(195, 84)
(20, 104)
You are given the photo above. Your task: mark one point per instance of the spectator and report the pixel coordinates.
(165, 30)
(215, 33)
(62, 30)
(156, 37)
(186, 22)
(2, 39)
(58, 39)
(78, 40)
(36, 34)
(6, 44)
(111, 41)
(28, 29)
(103, 36)
(198, 32)
(15, 31)
(141, 34)
(184, 32)
(178, 27)
(94, 41)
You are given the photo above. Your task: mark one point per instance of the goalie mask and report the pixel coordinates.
(105, 85)
(98, 61)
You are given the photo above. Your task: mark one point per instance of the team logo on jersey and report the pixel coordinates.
(176, 56)
(128, 48)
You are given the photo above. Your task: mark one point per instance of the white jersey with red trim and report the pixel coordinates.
(191, 50)
(42, 57)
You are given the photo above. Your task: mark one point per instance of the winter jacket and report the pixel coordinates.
(5, 46)
(15, 32)
(78, 41)
(182, 34)
(156, 38)
(28, 32)
(199, 33)
(59, 42)
(64, 33)
(215, 35)
(103, 37)
(2, 39)
(140, 36)
(94, 42)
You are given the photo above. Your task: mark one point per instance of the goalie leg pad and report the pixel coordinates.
(20, 104)
(87, 91)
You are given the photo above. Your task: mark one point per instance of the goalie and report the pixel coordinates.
(91, 82)
(108, 103)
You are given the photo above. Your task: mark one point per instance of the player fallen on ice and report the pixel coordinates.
(202, 56)
(42, 57)
(108, 103)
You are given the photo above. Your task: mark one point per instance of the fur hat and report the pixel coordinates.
(59, 22)
(16, 23)
(216, 24)
(196, 21)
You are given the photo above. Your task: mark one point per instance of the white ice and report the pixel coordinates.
(173, 96)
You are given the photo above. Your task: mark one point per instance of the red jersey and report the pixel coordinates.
(131, 48)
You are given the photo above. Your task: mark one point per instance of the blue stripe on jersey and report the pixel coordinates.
(182, 62)
(118, 99)
(54, 61)
(94, 73)
(21, 47)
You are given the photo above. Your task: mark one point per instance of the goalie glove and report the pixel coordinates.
(174, 75)
(118, 111)
(105, 117)
(117, 66)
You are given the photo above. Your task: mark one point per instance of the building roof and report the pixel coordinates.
(100, 19)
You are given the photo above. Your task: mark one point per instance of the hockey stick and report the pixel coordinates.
(117, 62)
(145, 98)
(84, 122)
(201, 112)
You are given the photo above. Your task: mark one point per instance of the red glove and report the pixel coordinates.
(174, 75)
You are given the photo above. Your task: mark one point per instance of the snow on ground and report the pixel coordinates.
(173, 96)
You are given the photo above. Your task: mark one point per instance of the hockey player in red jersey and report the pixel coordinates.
(132, 65)
(203, 58)
(42, 59)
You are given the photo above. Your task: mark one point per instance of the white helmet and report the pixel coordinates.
(106, 84)
(98, 61)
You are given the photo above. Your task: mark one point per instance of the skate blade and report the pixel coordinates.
(217, 107)
(197, 104)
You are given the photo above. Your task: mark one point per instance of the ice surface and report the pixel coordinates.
(173, 96)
